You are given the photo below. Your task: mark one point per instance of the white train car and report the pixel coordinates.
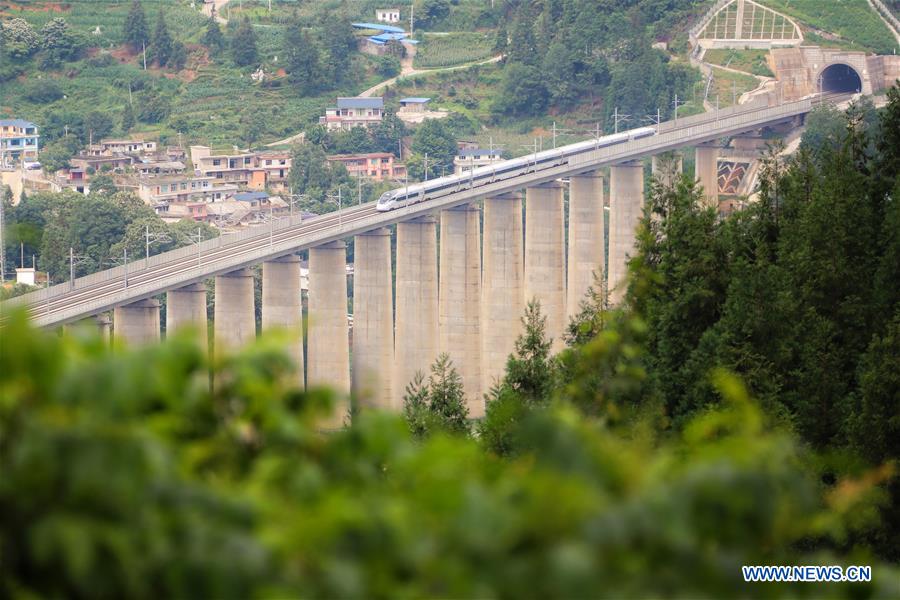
(531, 163)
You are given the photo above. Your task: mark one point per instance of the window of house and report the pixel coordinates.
(216, 162)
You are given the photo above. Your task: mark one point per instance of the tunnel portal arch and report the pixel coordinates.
(839, 78)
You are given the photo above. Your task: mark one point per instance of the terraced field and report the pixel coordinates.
(452, 49)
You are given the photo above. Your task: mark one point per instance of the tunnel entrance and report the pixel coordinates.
(841, 79)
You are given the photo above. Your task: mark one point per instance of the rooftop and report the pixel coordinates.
(250, 196)
(360, 155)
(16, 123)
(475, 152)
(379, 27)
(414, 100)
(360, 102)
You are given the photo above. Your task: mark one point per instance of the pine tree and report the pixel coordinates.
(127, 118)
(243, 45)
(302, 60)
(162, 41)
(213, 38)
(439, 404)
(179, 56)
(530, 369)
(136, 30)
(447, 398)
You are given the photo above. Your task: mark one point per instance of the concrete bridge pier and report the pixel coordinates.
(281, 306)
(545, 258)
(137, 323)
(460, 299)
(328, 351)
(706, 168)
(373, 319)
(502, 290)
(587, 239)
(416, 332)
(626, 204)
(186, 308)
(104, 326)
(234, 316)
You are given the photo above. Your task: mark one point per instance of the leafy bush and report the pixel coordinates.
(43, 91)
(126, 475)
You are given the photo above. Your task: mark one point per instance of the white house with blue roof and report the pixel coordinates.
(350, 112)
(18, 142)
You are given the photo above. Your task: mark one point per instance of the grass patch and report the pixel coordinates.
(750, 61)
(729, 86)
(853, 20)
(453, 49)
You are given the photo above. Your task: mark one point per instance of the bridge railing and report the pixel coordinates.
(141, 266)
(671, 134)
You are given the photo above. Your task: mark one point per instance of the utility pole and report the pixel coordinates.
(426, 166)
(412, 10)
(677, 104)
(199, 239)
(359, 189)
(148, 239)
(144, 46)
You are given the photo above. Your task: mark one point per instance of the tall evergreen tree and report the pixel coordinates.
(127, 118)
(243, 45)
(303, 64)
(439, 404)
(212, 37)
(136, 31)
(162, 41)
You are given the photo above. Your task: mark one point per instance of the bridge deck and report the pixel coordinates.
(102, 291)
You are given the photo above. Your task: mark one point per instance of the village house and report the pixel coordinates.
(154, 190)
(254, 170)
(19, 142)
(468, 158)
(133, 147)
(353, 112)
(387, 15)
(98, 163)
(377, 166)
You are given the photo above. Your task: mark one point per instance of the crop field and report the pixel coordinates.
(102, 20)
(853, 20)
(452, 49)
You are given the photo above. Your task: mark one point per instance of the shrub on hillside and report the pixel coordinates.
(42, 91)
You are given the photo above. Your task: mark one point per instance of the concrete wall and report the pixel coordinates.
(137, 323)
(186, 309)
(373, 319)
(545, 259)
(587, 238)
(234, 317)
(281, 305)
(460, 299)
(626, 203)
(502, 283)
(328, 346)
(416, 329)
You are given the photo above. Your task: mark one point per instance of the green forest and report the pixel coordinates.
(740, 408)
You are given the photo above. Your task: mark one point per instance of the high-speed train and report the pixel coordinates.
(435, 188)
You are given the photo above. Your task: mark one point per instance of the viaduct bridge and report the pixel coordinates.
(471, 311)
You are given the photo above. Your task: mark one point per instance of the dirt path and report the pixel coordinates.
(407, 70)
(207, 9)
